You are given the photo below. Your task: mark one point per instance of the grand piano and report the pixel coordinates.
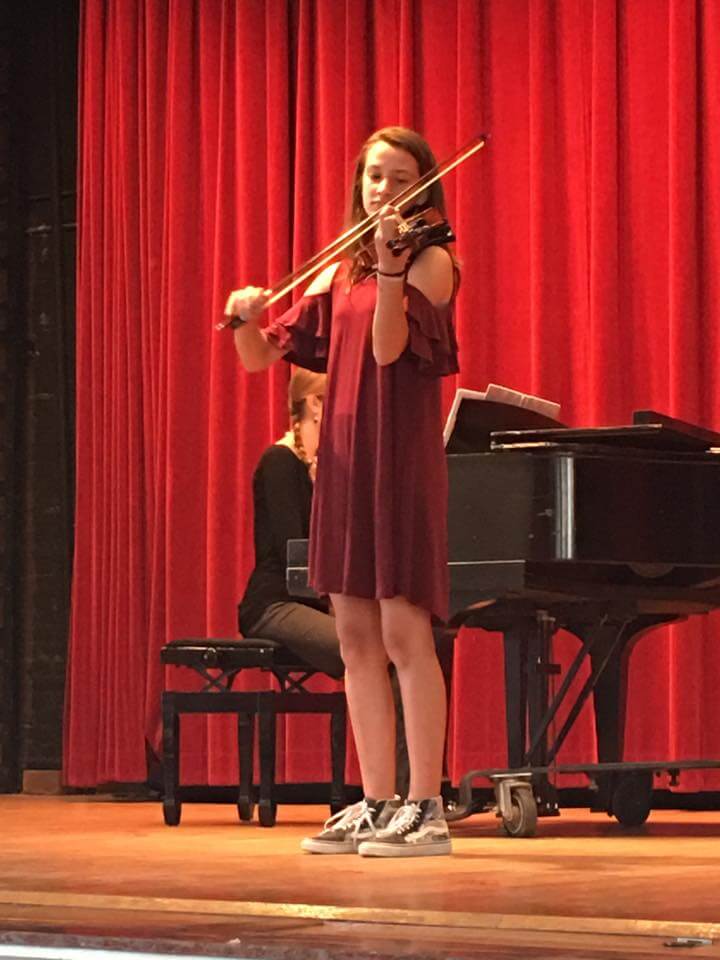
(606, 533)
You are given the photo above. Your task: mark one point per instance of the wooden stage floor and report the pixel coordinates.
(101, 872)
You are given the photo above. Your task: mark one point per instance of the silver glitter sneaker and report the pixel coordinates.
(343, 832)
(418, 829)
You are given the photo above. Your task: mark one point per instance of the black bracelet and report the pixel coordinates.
(384, 273)
(236, 322)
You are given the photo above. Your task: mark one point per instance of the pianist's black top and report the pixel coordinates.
(282, 498)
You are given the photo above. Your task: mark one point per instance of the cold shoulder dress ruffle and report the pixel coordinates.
(379, 519)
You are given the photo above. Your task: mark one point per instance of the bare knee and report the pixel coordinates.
(363, 658)
(408, 650)
(407, 634)
(359, 631)
(361, 649)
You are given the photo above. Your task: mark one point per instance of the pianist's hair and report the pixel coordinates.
(297, 439)
(416, 146)
(303, 384)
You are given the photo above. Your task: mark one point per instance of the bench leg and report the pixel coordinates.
(338, 734)
(267, 807)
(246, 737)
(171, 761)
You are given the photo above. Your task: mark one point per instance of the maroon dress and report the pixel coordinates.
(379, 518)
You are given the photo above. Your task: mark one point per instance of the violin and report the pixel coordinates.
(421, 229)
(424, 228)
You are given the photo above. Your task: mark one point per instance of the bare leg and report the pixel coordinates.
(369, 694)
(408, 640)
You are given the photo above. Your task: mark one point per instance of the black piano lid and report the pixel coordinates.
(649, 430)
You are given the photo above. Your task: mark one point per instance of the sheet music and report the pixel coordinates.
(548, 408)
(460, 395)
(499, 394)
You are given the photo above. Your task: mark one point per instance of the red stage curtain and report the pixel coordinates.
(215, 146)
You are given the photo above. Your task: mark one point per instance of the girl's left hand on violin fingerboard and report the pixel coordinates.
(389, 225)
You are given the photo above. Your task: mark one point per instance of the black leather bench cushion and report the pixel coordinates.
(229, 653)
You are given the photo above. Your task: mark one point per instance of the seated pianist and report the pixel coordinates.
(282, 498)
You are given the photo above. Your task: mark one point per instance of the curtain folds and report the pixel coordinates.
(216, 141)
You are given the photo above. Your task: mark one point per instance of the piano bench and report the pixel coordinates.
(219, 661)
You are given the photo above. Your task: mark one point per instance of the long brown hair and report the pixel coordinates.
(403, 139)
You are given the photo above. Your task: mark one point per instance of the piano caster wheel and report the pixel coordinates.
(632, 798)
(171, 812)
(245, 809)
(523, 820)
(266, 814)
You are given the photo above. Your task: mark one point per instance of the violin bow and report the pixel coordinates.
(358, 230)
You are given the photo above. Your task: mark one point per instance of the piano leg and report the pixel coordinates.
(609, 700)
(515, 642)
(530, 663)
(613, 644)
(610, 694)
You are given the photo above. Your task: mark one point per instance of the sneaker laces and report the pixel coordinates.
(405, 819)
(354, 817)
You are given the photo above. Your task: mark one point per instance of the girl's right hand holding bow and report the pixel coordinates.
(242, 310)
(246, 304)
